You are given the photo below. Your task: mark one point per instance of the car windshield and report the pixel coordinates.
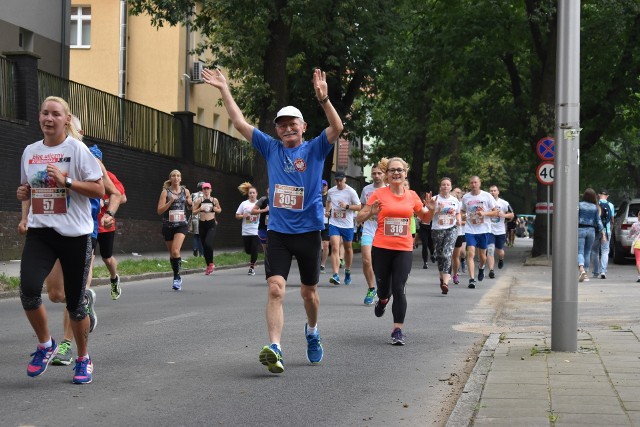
(633, 210)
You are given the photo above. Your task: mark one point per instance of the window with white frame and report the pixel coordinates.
(81, 26)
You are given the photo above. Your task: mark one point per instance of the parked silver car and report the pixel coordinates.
(626, 215)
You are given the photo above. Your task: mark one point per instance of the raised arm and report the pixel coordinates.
(216, 79)
(322, 94)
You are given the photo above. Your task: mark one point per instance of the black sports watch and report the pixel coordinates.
(111, 214)
(68, 182)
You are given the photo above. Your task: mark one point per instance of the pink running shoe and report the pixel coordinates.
(83, 371)
(41, 359)
(209, 269)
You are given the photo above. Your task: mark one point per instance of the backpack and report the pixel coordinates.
(605, 213)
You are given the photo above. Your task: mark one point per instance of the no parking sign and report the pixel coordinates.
(545, 149)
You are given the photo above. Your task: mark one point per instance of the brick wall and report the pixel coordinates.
(142, 173)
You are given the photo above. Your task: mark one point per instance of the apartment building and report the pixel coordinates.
(128, 57)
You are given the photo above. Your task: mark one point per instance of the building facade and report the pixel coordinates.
(128, 57)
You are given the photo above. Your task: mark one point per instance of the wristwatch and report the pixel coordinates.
(111, 214)
(68, 182)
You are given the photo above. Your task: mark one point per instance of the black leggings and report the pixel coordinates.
(427, 242)
(207, 234)
(392, 269)
(251, 246)
(41, 249)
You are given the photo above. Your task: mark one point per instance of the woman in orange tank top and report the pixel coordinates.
(392, 248)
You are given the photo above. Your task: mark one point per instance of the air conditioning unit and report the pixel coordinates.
(196, 74)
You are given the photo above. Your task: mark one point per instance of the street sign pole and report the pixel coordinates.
(548, 221)
(564, 289)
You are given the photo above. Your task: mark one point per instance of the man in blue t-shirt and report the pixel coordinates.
(296, 214)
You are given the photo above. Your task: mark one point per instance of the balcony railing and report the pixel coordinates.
(110, 118)
(221, 151)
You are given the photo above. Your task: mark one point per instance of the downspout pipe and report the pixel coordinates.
(122, 65)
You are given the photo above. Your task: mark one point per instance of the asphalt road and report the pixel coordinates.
(167, 358)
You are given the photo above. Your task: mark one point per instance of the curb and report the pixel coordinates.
(101, 281)
(467, 404)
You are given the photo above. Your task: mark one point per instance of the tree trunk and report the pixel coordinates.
(275, 75)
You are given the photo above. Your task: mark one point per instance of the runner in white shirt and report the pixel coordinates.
(459, 247)
(498, 235)
(444, 229)
(477, 205)
(249, 224)
(59, 174)
(342, 202)
(369, 228)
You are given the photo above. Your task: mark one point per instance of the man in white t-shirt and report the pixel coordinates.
(342, 202)
(477, 205)
(369, 228)
(498, 235)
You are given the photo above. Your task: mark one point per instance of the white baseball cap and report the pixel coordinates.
(288, 111)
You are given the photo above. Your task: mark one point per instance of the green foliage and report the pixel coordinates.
(457, 88)
(133, 266)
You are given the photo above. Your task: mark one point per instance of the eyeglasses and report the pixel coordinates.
(292, 125)
(396, 170)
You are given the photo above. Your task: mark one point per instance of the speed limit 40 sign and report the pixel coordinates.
(545, 173)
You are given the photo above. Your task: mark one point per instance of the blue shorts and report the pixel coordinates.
(479, 241)
(498, 240)
(345, 233)
(366, 240)
(262, 236)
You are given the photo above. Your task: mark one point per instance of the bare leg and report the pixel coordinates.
(275, 313)
(311, 300)
(471, 252)
(367, 266)
(39, 322)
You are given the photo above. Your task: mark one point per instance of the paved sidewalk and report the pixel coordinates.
(519, 381)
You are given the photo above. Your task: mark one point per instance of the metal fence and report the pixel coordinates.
(7, 94)
(111, 118)
(221, 151)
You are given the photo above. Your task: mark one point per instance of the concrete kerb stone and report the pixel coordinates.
(101, 281)
(467, 404)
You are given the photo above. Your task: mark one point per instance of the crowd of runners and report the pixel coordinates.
(70, 201)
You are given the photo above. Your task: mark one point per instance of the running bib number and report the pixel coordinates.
(48, 201)
(446, 220)
(339, 214)
(176, 215)
(396, 227)
(288, 197)
(475, 219)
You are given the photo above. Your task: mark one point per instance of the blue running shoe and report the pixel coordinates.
(271, 357)
(177, 284)
(371, 295)
(480, 274)
(397, 337)
(314, 347)
(41, 359)
(335, 279)
(83, 371)
(347, 277)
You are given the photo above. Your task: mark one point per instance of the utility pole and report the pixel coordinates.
(564, 298)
